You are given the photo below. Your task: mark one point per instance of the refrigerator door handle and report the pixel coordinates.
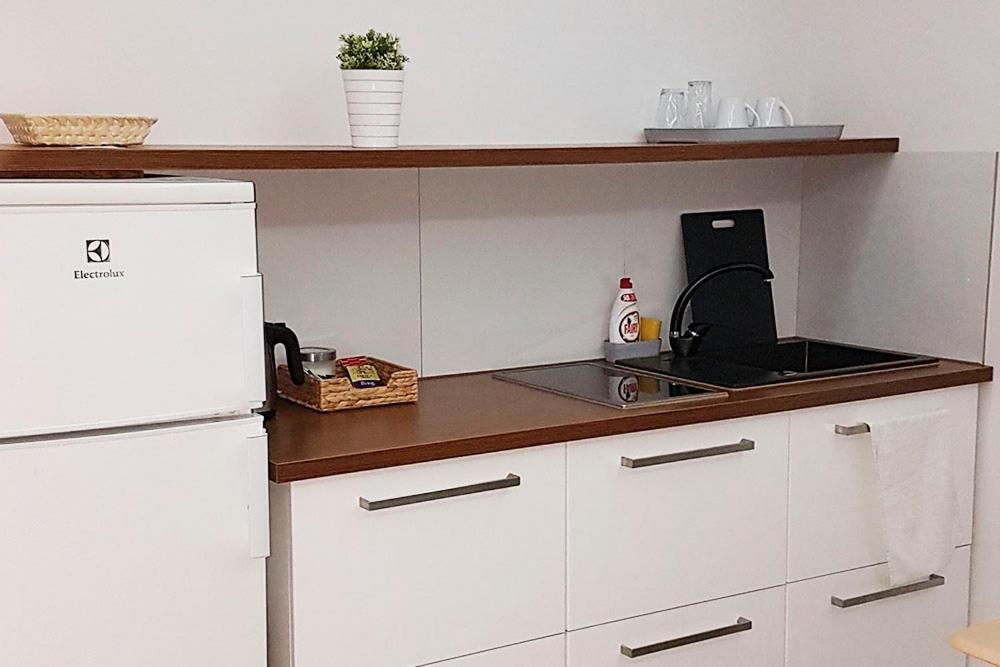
(252, 289)
(257, 507)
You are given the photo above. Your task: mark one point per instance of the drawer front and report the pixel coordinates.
(910, 629)
(834, 516)
(746, 630)
(667, 532)
(548, 652)
(405, 584)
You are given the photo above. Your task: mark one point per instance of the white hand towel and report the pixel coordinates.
(916, 489)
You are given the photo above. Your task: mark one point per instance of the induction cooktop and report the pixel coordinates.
(606, 384)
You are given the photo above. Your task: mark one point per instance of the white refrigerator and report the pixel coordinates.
(133, 473)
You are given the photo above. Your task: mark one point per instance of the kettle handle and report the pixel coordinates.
(276, 333)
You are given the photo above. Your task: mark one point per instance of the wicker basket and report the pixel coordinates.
(338, 394)
(78, 130)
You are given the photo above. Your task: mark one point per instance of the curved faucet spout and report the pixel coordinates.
(686, 344)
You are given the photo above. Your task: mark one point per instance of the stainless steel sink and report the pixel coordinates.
(787, 360)
(798, 357)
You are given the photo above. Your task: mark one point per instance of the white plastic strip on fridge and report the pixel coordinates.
(151, 190)
(257, 508)
(252, 287)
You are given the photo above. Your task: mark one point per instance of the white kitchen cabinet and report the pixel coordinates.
(751, 631)
(375, 583)
(910, 629)
(547, 652)
(134, 548)
(672, 532)
(834, 516)
(565, 554)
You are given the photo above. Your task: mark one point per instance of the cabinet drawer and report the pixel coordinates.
(834, 515)
(548, 652)
(910, 629)
(670, 532)
(434, 577)
(746, 630)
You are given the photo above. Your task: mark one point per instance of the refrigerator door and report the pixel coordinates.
(116, 315)
(136, 548)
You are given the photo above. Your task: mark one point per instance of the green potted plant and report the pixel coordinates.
(372, 66)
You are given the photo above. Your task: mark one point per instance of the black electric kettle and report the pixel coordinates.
(276, 333)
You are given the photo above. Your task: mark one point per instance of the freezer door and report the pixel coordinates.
(121, 315)
(135, 549)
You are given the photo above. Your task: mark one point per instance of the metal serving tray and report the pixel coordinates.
(724, 135)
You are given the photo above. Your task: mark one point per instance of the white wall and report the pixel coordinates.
(922, 70)
(985, 591)
(258, 71)
(254, 71)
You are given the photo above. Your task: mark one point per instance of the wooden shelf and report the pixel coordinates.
(16, 161)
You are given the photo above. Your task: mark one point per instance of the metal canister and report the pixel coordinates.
(319, 361)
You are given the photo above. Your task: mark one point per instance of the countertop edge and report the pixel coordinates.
(748, 404)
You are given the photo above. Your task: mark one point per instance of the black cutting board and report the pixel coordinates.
(739, 305)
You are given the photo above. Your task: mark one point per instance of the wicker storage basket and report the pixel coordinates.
(78, 130)
(338, 394)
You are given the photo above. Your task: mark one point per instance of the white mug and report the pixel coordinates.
(774, 113)
(733, 113)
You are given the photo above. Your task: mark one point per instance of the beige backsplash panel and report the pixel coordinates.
(458, 270)
(520, 265)
(895, 251)
(514, 266)
(339, 251)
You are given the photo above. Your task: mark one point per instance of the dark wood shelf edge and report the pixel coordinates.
(746, 405)
(21, 160)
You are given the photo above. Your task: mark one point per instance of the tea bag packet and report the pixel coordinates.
(361, 372)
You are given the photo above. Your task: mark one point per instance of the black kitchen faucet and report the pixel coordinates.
(686, 344)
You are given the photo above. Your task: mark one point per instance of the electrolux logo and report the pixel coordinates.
(98, 251)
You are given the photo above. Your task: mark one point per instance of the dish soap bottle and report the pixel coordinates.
(624, 325)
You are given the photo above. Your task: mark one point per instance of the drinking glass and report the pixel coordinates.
(670, 112)
(699, 104)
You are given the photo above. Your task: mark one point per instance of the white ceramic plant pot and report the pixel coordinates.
(374, 103)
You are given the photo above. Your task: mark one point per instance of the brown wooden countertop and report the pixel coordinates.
(461, 415)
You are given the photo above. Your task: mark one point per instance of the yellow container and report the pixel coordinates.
(649, 329)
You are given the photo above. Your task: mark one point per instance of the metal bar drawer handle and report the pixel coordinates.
(505, 483)
(856, 429)
(933, 581)
(741, 625)
(743, 445)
